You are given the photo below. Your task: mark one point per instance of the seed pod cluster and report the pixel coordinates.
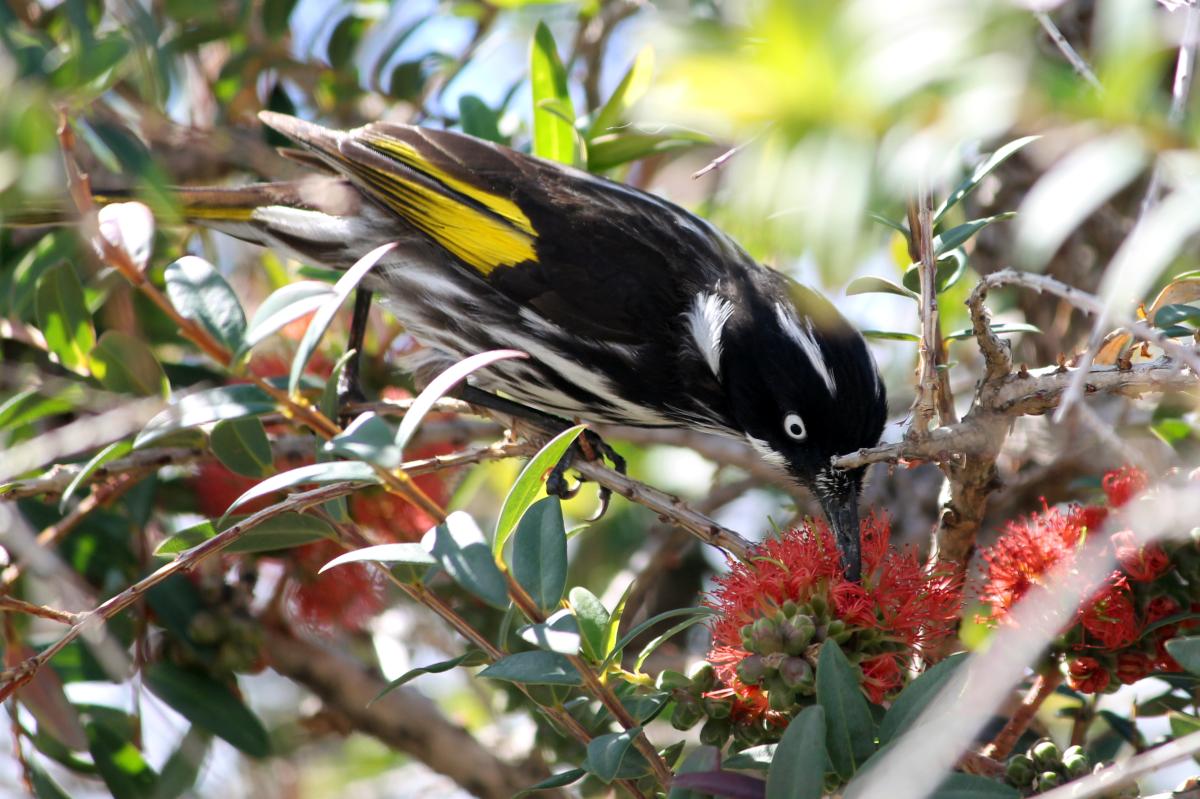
(1044, 766)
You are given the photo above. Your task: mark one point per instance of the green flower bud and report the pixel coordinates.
(1076, 763)
(790, 608)
(819, 605)
(1048, 779)
(796, 672)
(766, 639)
(838, 631)
(747, 734)
(687, 712)
(1046, 755)
(1020, 771)
(716, 708)
(779, 695)
(703, 677)
(797, 633)
(715, 732)
(752, 669)
(669, 680)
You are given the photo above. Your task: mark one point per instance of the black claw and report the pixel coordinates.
(605, 497)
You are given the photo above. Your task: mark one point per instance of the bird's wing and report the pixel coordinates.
(587, 254)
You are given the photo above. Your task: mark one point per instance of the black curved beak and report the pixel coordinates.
(842, 511)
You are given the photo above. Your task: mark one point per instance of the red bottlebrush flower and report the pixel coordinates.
(1133, 666)
(1110, 618)
(1143, 564)
(1123, 484)
(1161, 607)
(1086, 675)
(794, 588)
(1031, 552)
(344, 597)
(216, 488)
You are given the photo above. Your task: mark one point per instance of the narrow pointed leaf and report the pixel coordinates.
(205, 407)
(960, 234)
(284, 306)
(628, 91)
(916, 697)
(670, 633)
(560, 780)
(368, 438)
(242, 446)
(478, 120)
(534, 668)
(199, 293)
(1187, 652)
(460, 549)
(472, 657)
(209, 704)
(122, 767)
(798, 769)
(539, 556)
(408, 554)
(441, 384)
(1000, 328)
(328, 309)
(553, 137)
(973, 786)
(284, 531)
(593, 619)
(878, 285)
(890, 335)
(851, 728)
(985, 168)
(125, 365)
(559, 633)
(606, 752)
(109, 453)
(63, 318)
(529, 484)
(317, 473)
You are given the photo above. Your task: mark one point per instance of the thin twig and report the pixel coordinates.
(15, 605)
(1105, 781)
(1043, 686)
(1069, 52)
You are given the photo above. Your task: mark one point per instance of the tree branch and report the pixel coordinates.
(404, 719)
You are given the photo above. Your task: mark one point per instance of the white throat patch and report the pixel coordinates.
(706, 320)
(804, 337)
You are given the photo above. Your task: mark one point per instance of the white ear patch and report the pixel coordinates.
(765, 452)
(804, 337)
(706, 322)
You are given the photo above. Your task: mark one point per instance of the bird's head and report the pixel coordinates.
(803, 388)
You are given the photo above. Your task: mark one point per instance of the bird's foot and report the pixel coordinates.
(349, 389)
(590, 447)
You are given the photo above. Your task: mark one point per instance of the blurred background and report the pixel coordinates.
(801, 127)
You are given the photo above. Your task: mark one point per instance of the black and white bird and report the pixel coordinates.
(632, 310)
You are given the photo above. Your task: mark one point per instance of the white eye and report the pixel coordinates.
(793, 425)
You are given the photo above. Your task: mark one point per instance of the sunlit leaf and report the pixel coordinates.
(628, 91)
(124, 364)
(199, 293)
(64, 319)
(472, 657)
(878, 285)
(605, 753)
(242, 446)
(986, 167)
(316, 473)
(553, 137)
(539, 555)
(460, 549)
(284, 306)
(533, 668)
(529, 484)
(204, 407)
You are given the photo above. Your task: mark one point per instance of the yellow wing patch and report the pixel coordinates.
(503, 237)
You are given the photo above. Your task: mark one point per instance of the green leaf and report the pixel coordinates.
(275, 16)
(951, 266)
(606, 752)
(1177, 314)
(913, 699)
(242, 445)
(344, 40)
(851, 728)
(125, 364)
(972, 786)
(121, 765)
(441, 384)
(408, 554)
(756, 757)
(553, 137)
(328, 309)
(182, 768)
(460, 549)
(204, 407)
(883, 220)
(283, 307)
(612, 630)
(210, 705)
(329, 395)
(284, 531)
(534, 668)
(46, 788)
(879, 285)
(472, 657)
(109, 453)
(317, 473)
(798, 769)
(692, 615)
(539, 556)
(560, 633)
(593, 620)
(670, 633)
(26, 407)
(890, 335)
(368, 438)
(1183, 724)
(560, 780)
(628, 91)
(960, 234)
(478, 120)
(199, 293)
(63, 317)
(529, 484)
(1000, 329)
(1187, 652)
(989, 164)
(614, 149)
(700, 760)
